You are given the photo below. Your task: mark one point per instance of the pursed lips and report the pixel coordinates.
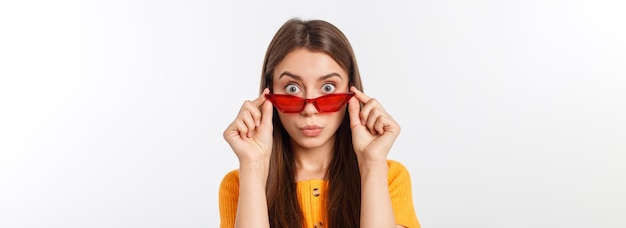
(311, 130)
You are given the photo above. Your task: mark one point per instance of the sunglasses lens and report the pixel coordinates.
(332, 102)
(287, 103)
(293, 104)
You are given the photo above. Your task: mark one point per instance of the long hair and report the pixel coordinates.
(343, 201)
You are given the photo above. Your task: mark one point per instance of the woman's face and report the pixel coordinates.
(309, 74)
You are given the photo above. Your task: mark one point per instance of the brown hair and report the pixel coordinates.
(343, 201)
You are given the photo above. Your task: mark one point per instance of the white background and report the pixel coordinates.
(112, 112)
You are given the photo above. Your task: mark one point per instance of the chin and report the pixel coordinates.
(310, 143)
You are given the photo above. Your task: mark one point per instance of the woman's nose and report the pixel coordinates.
(309, 108)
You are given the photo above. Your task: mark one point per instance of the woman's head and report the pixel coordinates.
(310, 59)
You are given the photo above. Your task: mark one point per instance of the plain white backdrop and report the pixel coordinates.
(112, 112)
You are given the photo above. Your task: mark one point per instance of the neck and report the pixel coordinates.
(312, 163)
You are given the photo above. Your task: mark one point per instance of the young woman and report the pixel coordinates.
(319, 158)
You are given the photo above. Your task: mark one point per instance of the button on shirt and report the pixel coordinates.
(310, 198)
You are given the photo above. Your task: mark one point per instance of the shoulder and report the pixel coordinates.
(397, 171)
(229, 198)
(230, 179)
(401, 194)
(396, 167)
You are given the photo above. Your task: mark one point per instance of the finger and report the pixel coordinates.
(254, 113)
(231, 131)
(267, 111)
(372, 117)
(360, 95)
(266, 118)
(250, 115)
(254, 105)
(366, 111)
(242, 129)
(249, 122)
(354, 109)
(380, 125)
(259, 100)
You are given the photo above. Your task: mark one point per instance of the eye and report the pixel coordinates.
(292, 88)
(328, 88)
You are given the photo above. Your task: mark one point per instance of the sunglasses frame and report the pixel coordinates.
(314, 101)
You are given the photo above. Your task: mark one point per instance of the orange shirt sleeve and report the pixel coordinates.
(228, 199)
(401, 195)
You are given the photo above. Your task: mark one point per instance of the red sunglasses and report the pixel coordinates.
(292, 104)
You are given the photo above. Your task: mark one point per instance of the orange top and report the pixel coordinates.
(309, 193)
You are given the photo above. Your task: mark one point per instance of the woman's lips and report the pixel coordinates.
(311, 131)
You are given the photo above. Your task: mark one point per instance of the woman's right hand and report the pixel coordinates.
(250, 135)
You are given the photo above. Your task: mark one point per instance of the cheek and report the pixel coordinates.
(337, 118)
(286, 120)
(281, 117)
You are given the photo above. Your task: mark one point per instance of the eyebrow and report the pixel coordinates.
(299, 78)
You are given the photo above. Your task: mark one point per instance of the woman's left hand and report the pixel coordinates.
(373, 129)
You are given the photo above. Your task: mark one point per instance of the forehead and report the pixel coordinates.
(308, 64)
